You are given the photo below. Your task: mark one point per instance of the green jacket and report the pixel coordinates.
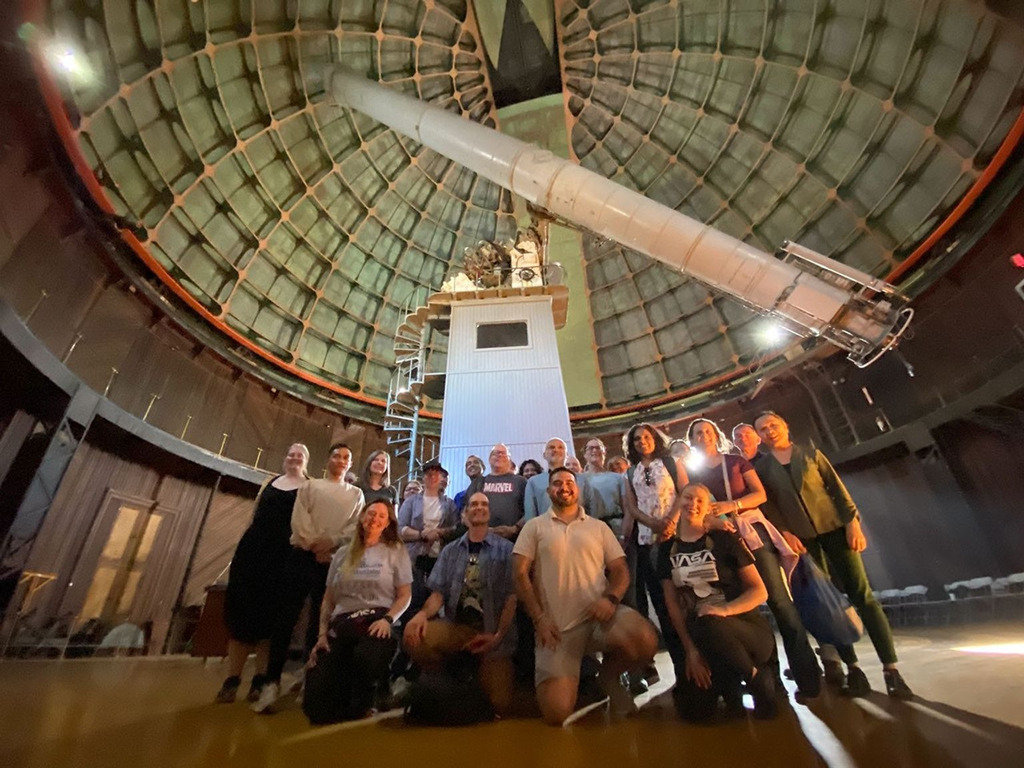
(806, 498)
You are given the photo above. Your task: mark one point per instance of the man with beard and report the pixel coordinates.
(561, 561)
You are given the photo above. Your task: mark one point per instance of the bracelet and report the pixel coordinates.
(739, 505)
(612, 598)
(389, 619)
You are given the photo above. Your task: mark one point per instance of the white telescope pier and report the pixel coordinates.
(810, 294)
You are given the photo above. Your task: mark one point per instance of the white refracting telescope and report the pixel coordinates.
(807, 293)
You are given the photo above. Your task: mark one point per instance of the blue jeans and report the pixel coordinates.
(802, 661)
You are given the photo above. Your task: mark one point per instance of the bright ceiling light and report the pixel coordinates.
(772, 333)
(72, 64)
(1006, 649)
(68, 62)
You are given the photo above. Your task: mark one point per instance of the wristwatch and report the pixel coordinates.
(389, 619)
(612, 598)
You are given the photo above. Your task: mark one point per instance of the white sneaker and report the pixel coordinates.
(298, 681)
(400, 688)
(268, 698)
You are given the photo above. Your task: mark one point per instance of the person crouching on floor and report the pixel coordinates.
(561, 561)
(369, 586)
(712, 591)
(473, 580)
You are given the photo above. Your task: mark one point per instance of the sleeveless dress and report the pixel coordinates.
(254, 581)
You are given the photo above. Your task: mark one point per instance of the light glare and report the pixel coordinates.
(1007, 649)
(70, 63)
(772, 334)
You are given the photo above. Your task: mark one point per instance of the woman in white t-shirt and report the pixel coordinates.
(368, 589)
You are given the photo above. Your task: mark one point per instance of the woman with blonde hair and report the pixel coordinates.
(369, 586)
(254, 582)
(712, 590)
(739, 494)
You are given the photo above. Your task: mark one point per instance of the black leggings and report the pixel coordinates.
(732, 646)
(303, 576)
(647, 581)
(342, 683)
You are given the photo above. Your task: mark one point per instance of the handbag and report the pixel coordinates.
(824, 610)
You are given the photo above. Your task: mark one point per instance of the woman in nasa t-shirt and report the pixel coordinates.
(712, 590)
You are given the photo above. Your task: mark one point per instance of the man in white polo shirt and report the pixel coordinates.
(561, 558)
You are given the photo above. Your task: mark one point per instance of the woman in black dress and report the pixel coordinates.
(375, 479)
(253, 581)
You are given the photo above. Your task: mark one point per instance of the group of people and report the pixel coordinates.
(541, 569)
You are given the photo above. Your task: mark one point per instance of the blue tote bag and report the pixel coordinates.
(824, 610)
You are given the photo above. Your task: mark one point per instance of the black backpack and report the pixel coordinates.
(449, 697)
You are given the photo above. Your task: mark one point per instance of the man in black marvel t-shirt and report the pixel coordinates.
(505, 492)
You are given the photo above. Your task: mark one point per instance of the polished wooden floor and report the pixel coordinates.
(158, 712)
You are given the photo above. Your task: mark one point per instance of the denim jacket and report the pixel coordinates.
(496, 570)
(410, 515)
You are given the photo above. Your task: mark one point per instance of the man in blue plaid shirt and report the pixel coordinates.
(473, 582)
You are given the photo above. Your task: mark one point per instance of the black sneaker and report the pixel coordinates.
(896, 686)
(857, 684)
(732, 705)
(589, 692)
(809, 690)
(762, 688)
(228, 691)
(650, 674)
(780, 687)
(834, 674)
(636, 684)
(258, 681)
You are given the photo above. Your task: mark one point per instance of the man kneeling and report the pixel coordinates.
(574, 605)
(473, 581)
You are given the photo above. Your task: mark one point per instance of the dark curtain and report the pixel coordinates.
(921, 528)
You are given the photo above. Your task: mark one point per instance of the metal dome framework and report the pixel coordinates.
(304, 231)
